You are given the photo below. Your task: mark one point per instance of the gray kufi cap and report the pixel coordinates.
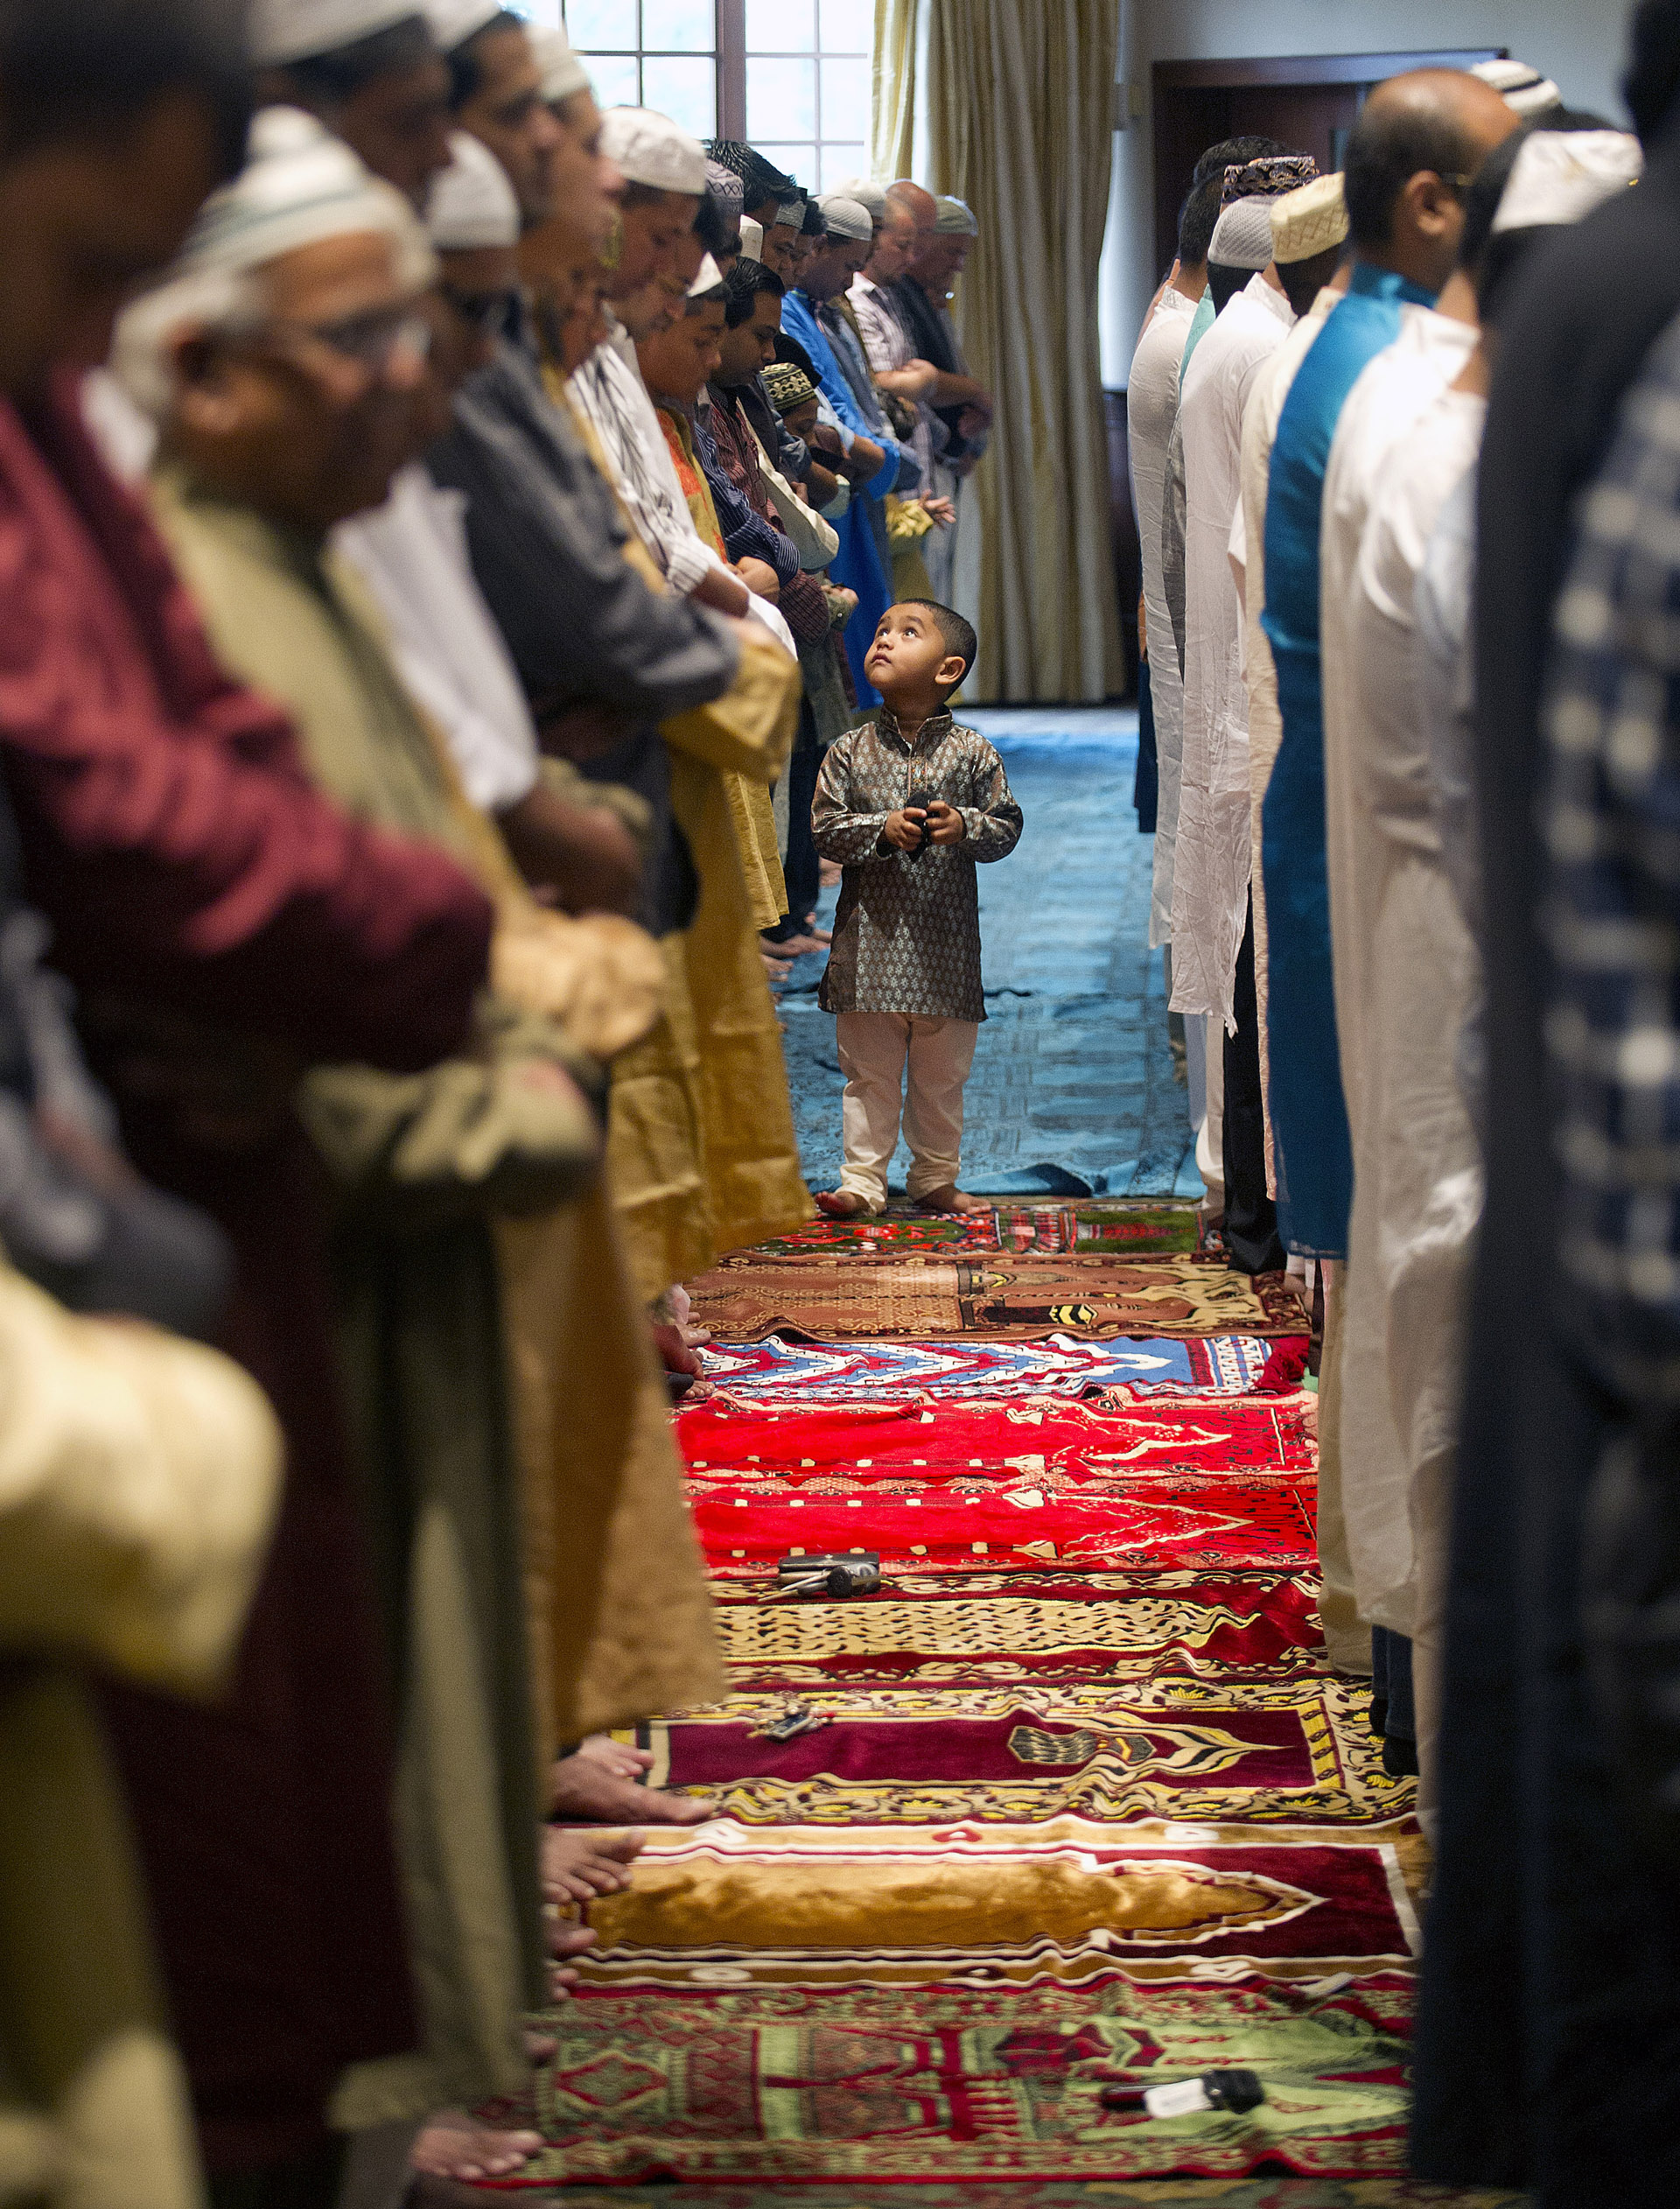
(845, 218)
(1242, 235)
(872, 196)
(955, 218)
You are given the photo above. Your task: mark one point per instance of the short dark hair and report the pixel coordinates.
(745, 284)
(711, 229)
(1235, 153)
(1389, 145)
(789, 348)
(1198, 218)
(812, 225)
(1225, 280)
(957, 632)
(467, 61)
(77, 67)
(326, 79)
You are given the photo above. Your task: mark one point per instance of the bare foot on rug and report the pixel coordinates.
(578, 1863)
(840, 1203)
(949, 1199)
(674, 1353)
(454, 2145)
(586, 1792)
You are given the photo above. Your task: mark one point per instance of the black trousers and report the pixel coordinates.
(1250, 1229)
(800, 863)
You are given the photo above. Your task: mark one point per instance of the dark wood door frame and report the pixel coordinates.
(1204, 89)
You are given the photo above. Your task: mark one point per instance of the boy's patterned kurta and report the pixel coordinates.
(906, 937)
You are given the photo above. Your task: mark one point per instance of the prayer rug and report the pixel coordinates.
(1068, 1896)
(1055, 1366)
(1243, 1754)
(1061, 2193)
(746, 1297)
(974, 2082)
(1060, 1629)
(1139, 1230)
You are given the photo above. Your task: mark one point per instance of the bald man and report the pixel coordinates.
(961, 401)
(1418, 140)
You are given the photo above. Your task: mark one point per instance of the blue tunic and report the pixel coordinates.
(857, 566)
(1309, 1116)
(1200, 322)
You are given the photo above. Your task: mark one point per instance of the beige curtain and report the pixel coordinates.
(1017, 99)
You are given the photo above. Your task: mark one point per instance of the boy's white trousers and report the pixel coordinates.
(877, 1049)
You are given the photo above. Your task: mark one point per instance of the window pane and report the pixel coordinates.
(793, 161)
(602, 26)
(848, 26)
(683, 88)
(780, 26)
(781, 100)
(679, 26)
(615, 75)
(840, 162)
(845, 99)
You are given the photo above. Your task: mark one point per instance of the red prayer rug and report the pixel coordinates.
(1139, 1230)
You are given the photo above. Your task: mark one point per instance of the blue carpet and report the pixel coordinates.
(1072, 1091)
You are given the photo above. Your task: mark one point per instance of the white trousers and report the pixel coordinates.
(876, 1048)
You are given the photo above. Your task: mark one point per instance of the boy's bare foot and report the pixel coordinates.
(674, 1354)
(841, 1203)
(454, 2145)
(588, 1791)
(579, 1863)
(948, 1199)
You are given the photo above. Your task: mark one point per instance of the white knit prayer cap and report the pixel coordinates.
(1310, 220)
(872, 196)
(299, 186)
(453, 22)
(473, 204)
(1559, 176)
(563, 72)
(1522, 89)
(956, 218)
(846, 218)
(298, 30)
(650, 149)
(1243, 235)
(709, 277)
(752, 239)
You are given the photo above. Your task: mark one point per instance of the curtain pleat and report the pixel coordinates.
(1018, 100)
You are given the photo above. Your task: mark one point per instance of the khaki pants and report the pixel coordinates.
(875, 1050)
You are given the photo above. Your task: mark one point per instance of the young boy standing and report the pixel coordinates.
(909, 803)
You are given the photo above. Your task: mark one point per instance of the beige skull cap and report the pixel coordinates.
(1310, 220)
(956, 218)
(285, 30)
(563, 72)
(453, 22)
(648, 148)
(752, 239)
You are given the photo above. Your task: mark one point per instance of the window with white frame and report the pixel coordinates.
(808, 86)
(792, 77)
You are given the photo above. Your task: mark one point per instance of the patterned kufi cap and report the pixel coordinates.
(1309, 221)
(1268, 179)
(789, 386)
(726, 189)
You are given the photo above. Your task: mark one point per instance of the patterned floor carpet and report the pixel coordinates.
(1070, 1806)
(1073, 1089)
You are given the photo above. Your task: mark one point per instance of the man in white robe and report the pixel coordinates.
(1400, 937)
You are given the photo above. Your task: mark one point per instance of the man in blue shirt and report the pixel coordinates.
(1418, 140)
(813, 316)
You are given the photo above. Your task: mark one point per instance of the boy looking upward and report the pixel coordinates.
(909, 803)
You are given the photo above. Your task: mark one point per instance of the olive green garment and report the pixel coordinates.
(425, 1347)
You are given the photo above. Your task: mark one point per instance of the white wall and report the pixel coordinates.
(1579, 42)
